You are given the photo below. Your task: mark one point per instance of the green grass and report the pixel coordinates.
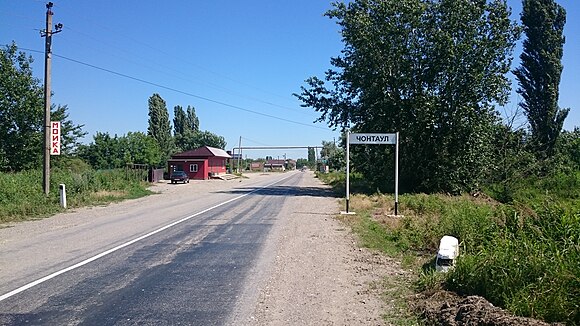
(337, 180)
(522, 254)
(396, 291)
(533, 268)
(22, 196)
(535, 191)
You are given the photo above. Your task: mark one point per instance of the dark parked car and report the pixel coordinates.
(179, 176)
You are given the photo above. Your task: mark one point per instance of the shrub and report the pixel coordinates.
(22, 196)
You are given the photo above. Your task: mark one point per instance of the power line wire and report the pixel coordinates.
(179, 91)
(157, 65)
(178, 75)
(207, 84)
(187, 93)
(25, 49)
(255, 141)
(147, 45)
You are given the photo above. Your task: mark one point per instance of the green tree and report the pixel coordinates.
(21, 112)
(103, 152)
(187, 134)
(301, 162)
(311, 157)
(568, 148)
(334, 155)
(139, 148)
(180, 129)
(160, 127)
(184, 121)
(179, 120)
(22, 115)
(71, 134)
(106, 152)
(328, 148)
(432, 70)
(540, 71)
(206, 138)
(194, 139)
(192, 121)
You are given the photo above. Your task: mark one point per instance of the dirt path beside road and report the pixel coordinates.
(321, 277)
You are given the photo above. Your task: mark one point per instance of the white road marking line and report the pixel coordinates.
(104, 253)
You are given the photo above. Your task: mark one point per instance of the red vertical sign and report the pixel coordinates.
(55, 138)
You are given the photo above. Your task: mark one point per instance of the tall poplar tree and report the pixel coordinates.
(184, 121)
(311, 157)
(540, 71)
(159, 126)
(187, 133)
(179, 120)
(192, 119)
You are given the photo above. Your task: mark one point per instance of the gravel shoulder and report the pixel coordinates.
(320, 275)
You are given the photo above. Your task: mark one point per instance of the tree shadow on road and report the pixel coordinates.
(284, 191)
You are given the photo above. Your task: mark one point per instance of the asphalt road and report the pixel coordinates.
(189, 260)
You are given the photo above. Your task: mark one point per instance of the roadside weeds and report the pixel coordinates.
(416, 296)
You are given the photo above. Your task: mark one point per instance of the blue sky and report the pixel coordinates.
(248, 55)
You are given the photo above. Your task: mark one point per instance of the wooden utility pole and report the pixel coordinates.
(47, 34)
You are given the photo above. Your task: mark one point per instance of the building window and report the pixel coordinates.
(193, 168)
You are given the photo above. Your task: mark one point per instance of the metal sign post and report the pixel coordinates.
(372, 139)
(397, 174)
(347, 169)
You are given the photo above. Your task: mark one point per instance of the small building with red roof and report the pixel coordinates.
(200, 163)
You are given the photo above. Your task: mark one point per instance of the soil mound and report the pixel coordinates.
(448, 309)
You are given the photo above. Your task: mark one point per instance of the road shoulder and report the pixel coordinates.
(320, 275)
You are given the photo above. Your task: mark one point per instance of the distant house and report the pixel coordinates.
(275, 165)
(201, 163)
(257, 166)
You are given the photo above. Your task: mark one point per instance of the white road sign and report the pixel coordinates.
(55, 138)
(373, 139)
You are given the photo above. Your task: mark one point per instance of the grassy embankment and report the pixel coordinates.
(22, 197)
(523, 255)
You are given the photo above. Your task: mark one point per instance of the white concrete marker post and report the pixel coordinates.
(62, 189)
(372, 139)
